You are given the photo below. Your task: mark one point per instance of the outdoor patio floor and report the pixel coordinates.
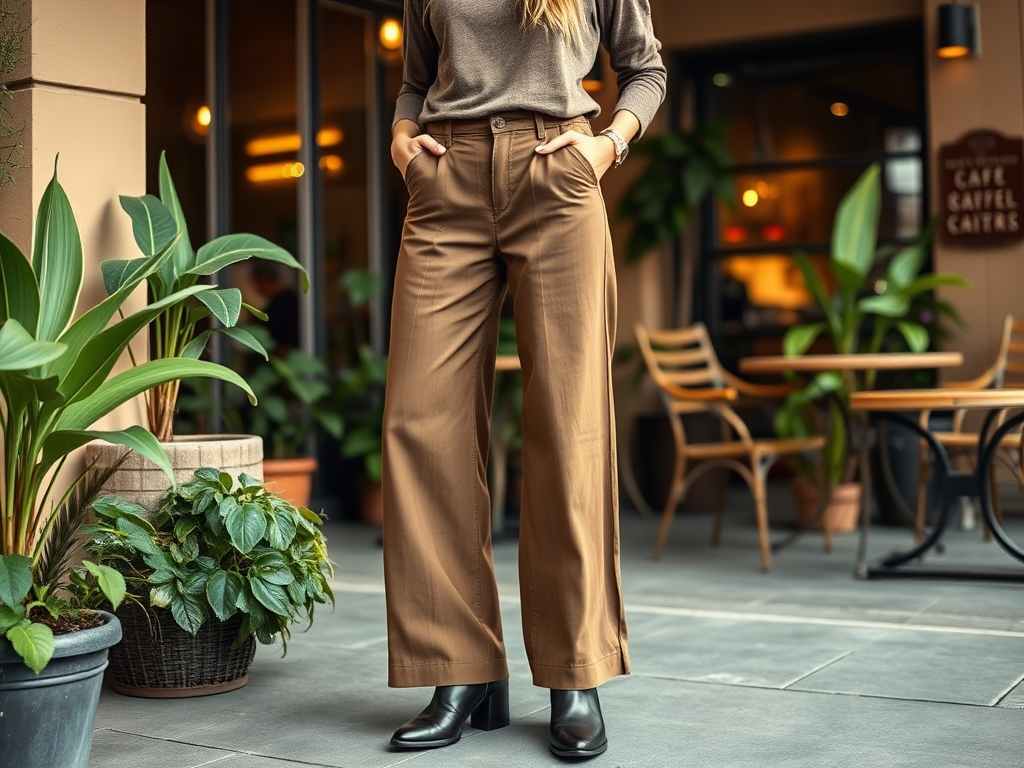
(805, 666)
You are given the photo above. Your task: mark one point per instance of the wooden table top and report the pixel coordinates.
(927, 399)
(889, 361)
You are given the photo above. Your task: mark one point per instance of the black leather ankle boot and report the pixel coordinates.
(440, 724)
(577, 727)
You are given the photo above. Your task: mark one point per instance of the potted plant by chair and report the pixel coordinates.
(877, 293)
(182, 331)
(56, 381)
(219, 566)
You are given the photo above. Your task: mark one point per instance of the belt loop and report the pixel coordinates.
(447, 134)
(542, 132)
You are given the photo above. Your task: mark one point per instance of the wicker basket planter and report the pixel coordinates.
(157, 659)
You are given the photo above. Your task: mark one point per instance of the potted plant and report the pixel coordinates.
(182, 331)
(215, 569)
(856, 320)
(56, 381)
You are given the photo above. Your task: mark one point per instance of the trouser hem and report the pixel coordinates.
(418, 675)
(580, 678)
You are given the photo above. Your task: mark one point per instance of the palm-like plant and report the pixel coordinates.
(851, 311)
(56, 382)
(159, 225)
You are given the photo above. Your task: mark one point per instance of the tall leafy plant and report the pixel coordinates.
(159, 226)
(857, 319)
(56, 381)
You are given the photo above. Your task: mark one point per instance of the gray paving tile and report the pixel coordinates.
(111, 749)
(665, 724)
(1015, 698)
(926, 666)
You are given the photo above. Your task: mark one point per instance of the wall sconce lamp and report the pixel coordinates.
(958, 31)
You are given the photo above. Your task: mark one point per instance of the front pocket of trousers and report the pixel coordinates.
(582, 161)
(412, 162)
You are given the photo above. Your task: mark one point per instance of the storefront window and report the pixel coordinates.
(805, 118)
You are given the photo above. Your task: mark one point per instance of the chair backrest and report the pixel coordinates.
(681, 356)
(1009, 365)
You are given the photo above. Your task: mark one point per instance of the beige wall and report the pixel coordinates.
(79, 93)
(966, 94)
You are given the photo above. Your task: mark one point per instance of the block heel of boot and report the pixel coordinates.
(492, 713)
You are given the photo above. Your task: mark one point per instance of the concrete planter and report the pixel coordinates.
(47, 718)
(141, 481)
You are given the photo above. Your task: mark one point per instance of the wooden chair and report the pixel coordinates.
(1007, 370)
(683, 364)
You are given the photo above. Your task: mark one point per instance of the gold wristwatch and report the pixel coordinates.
(621, 147)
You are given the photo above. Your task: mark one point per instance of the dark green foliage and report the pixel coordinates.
(211, 549)
(682, 168)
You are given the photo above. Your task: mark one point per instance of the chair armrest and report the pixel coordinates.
(767, 391)
(698, 395)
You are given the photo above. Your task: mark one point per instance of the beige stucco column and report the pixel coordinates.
(79, 94)
(965, 95)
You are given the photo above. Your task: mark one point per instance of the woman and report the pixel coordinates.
(491, 134)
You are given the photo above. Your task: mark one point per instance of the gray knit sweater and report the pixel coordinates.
(472, 58)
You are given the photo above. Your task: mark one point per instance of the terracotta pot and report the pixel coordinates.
(843, 509)
(371, 502)
(143, 482)
(291, 479)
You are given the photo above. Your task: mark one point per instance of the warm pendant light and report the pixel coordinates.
(958, 30)
(594, 80)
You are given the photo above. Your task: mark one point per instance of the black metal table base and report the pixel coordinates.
(953, 485)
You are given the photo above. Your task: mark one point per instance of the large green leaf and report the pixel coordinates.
(61, 442)
(19, 292)
(9, 616)
(188, 611)
(33, 642)
(931, 282)
(182, 256)
(152, 224)
(855, 232)
(225, 303)
(118, 272)
(889, 304)
(799, 338)
(20, 352)
(273, 597)
(915, 334)
(246, 525)
(101, 353)
(96, 319)
(57, 261)
(15, 579)
(110, 582)
(230, 249)
(813, 283)
(222, 591)
(905, 265)
(124, 386)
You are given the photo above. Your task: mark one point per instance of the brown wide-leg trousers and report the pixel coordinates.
(488, 214)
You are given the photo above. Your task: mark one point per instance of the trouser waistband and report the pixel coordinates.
(502, 122)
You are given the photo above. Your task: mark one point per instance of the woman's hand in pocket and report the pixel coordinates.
(407, 142)
(599, 151)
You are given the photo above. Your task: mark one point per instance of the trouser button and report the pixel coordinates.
(498, 122)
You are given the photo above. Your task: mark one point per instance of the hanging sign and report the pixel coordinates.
(981, 188)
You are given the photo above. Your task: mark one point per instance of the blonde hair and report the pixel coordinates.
(564, 16)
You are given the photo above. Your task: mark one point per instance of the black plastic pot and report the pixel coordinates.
(46, 719)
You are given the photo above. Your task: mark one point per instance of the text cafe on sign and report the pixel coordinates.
(981, 182)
